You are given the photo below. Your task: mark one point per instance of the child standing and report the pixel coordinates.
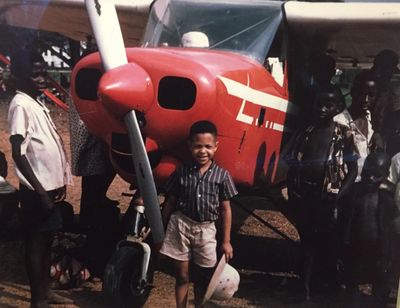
(367, 217)
(200, 194)
(43, 172)
(357, 118)
(322, 169)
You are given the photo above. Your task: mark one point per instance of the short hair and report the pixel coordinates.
(36, 57)
(362, 78)
(202, 127)
(331, 91)
(22, 63)
(322, 62)
(386, 57)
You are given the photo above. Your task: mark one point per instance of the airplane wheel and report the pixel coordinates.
(122, 275)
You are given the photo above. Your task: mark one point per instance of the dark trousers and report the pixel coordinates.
(94, 191)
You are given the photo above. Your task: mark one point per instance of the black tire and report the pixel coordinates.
(121, 277)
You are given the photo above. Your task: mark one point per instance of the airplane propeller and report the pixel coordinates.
(107, 31)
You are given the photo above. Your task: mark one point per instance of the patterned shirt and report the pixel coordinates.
(362, 143)
(199, 197)
(89, 155)
(335, 169)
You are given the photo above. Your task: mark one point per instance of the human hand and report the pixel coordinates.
(227, 250)
(377, 141)
(60, 194)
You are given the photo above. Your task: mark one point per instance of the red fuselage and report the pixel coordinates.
(171, 88)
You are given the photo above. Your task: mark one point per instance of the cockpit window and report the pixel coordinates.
(246, 27)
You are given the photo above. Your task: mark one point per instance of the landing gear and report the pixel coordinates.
(122, 278)
(128, 276)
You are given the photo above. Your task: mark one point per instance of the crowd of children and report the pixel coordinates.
(340, 188)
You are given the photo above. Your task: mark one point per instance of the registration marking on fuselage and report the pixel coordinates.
(262, 99)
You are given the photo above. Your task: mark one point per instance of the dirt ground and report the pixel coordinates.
(267, 262)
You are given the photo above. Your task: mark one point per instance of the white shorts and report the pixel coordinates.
(186, 239)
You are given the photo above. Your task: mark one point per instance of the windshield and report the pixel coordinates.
(246, 27)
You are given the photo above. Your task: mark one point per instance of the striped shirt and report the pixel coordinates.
(199, 197)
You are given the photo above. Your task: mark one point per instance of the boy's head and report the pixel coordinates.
(323, 68)
(385, 65)
(39, 73)
(375, 170)
(363, 91)
(33, 80)
(203, 142)
(328, 103)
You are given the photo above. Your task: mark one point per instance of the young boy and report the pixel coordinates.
(43, 172)
(322, 168)
(357, 118)
(200, 194)
(368, 212)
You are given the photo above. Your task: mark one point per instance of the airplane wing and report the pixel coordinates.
(352, 32)
(69, 17)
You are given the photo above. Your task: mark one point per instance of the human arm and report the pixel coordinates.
(3, 165)
(290, 150)
(348, 179)
(61, 193)
(168, 208)
(350, 159)
(393, 179)
(292, 176)
(25, 168)
(172, 192)
(377, 142)
(227, 192)
(226, 216)
(394, 170)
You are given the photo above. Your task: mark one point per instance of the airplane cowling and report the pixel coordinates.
(125, 88)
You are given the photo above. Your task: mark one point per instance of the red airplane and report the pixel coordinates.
(201, 60)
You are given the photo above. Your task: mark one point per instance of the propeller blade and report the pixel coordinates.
(107, 31)
(104, 20)
(144, 176)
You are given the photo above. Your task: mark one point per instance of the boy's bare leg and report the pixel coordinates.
(202, 278)
(37, 245)
(46, 264)
(38, 261)
(181, 283)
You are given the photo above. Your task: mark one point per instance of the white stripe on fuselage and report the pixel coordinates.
(257, 97)
(254, 96)
(278, 127)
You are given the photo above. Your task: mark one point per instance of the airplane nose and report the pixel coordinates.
(125, 88)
